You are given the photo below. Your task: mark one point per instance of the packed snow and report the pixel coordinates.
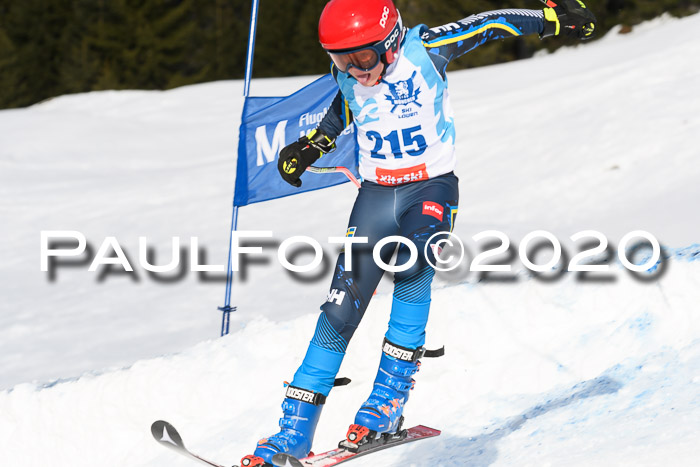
(556, 370)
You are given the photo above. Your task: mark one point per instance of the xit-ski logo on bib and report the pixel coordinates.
(433, 209)
(400, 176)
(402, 93)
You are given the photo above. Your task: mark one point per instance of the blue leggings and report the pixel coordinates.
(415, 211)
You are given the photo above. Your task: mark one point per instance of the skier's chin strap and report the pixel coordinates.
(410, 355)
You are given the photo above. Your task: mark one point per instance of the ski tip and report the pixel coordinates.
(285, 460)
(166, 434)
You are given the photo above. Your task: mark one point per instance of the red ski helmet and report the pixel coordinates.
(360, 33)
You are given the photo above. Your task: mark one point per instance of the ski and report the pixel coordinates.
(167, 435)
(347, 451)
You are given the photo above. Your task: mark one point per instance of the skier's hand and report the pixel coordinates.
(570, 18)
(296, 157)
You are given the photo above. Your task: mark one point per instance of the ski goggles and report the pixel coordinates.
(368, 57)
(363, 59)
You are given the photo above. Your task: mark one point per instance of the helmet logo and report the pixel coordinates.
(389, 41)
(385, 16)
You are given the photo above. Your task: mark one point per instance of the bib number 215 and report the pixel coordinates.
(409, 141)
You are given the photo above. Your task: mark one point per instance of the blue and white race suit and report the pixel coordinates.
(406, 136)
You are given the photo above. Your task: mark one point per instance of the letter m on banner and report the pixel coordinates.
(270, 123)
(267, 152)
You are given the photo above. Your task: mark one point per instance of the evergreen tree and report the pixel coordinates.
(31, 52)
(53, 47)
(225, 25)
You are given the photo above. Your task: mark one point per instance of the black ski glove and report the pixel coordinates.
(568, 17)
(296, 157)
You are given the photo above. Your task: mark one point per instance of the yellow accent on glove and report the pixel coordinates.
(551, 16)
(290, 166)
(323, 147)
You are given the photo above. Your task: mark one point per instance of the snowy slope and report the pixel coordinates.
(537, 373)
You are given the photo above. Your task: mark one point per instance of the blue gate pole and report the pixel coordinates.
(251, 47)
(227, 308)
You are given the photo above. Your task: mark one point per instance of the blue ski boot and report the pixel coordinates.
(302, 410)
(382, 412)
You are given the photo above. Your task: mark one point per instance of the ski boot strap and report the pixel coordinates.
(341, 382)
(410, 355)
(336, 382)
(303, 395)
(315, 398)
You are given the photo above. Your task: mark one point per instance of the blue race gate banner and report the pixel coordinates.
(270, 123)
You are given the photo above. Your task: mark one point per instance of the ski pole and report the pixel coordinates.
(325, 170)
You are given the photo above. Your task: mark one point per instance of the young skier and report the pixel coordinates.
(393, 87)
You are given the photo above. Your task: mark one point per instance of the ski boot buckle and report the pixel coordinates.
(252, 461)
(358, 438)
(356, 434)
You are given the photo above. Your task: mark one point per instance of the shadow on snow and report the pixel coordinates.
(480, 451)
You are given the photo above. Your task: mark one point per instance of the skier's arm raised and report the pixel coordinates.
(452, 40)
